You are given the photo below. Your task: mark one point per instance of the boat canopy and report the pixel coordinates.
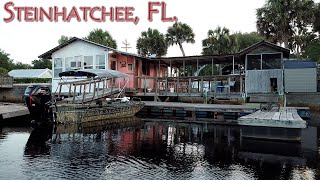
(101, 73)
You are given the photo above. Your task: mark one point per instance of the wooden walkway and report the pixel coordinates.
(284, 117)
(11, 110)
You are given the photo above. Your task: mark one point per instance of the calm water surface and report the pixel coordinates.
(153, 150)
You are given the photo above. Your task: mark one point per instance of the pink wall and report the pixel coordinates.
(122, 65)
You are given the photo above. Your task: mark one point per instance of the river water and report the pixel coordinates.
(136, 149)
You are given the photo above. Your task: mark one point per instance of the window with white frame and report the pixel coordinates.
(88, 62)
(100, 62)
(68, 61)
(130, 68)
(57, 64)
(76, 63)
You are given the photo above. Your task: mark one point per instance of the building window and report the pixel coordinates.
(146, 68)
(254, 62)
(271, 61)
(88, 62)
(57, 66)
(130, 68)
(68, 63)
(100, 62)
(76, 64)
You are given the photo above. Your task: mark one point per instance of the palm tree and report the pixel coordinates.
(219, 41)
(152, 42)
(102, 37)
(178, 34)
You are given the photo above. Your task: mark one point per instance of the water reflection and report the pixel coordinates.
(136, 149)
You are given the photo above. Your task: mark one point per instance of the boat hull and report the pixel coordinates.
(71, 115)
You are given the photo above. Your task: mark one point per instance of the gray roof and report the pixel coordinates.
(296, 64)
(27, 73)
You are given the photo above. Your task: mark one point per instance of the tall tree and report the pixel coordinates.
(178, 34)
(20, 65)
(280, 20)
(63, 39)
(312, 50)
(152, 42)
(245, 40)
(41, 64)
(102, 37)
(219, 41)
(316, 22)
(5, 61)
(3, 71)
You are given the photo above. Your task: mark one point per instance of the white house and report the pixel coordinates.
(31, 73)
(76, 54)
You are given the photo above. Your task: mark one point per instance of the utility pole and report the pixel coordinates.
(126, 45)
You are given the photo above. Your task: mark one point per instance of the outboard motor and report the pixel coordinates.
(39, 102)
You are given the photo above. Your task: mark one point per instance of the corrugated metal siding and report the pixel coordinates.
(258, 81)
(301, 80)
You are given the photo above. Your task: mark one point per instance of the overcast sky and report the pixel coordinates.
(25, 41)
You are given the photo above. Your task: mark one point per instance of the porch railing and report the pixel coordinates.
(6, 82)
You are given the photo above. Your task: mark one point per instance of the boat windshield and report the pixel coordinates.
(101, 73)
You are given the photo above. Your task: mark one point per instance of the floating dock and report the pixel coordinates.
(11, 110)
(283, 118)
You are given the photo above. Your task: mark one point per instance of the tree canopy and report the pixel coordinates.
(102, 37)
(63, 39)
(280, 20)
(20, 65)
(5, 61)
(178, 34)
(151, 42)
(41, 64)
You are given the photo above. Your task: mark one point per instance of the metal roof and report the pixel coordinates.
(28, 73)
(296, 64)
(101, 73)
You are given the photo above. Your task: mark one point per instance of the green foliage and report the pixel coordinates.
(102, 37)
(316, 22)
(3, 71)
(42, 64)
(63, 39)
(178, 34)
(312, 51)
(152, 42)
(20, 65)
(247, 39)
(32, 80)
(280, 20)
(5, 61)
(219, 41)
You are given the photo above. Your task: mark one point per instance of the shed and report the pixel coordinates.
(31, 73)
(300, 76)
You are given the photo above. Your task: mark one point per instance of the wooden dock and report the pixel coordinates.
(11, 110)
(284, 117)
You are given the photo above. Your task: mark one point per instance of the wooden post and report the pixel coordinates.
(94, 90)
(212, 66)
(170, 68)
(178, 86)
(156, 89)
(69, 95)
(241, 85)
(229, 87)
(190, 86)
(111, 94)
(60, 87)
(103, 87)
(167, 83)
(201, 85)
(80, 92)
(84, 93)
(145, 85)
(184, 67)
(214, 87)
(74, 93)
